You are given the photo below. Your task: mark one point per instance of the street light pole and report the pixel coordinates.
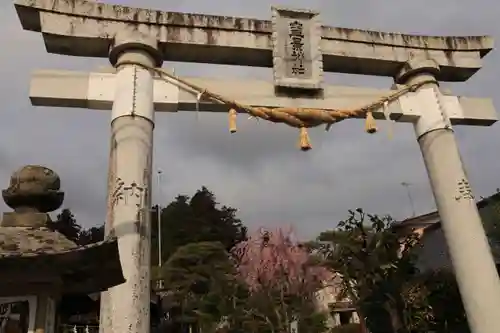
(158, 211)
(407, 186)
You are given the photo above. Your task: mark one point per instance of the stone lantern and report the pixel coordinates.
(38, 265)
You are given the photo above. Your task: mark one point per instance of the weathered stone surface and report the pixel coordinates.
(34, 189)
(297, 57)
(27, 241)
(84, 28)
(31, 253)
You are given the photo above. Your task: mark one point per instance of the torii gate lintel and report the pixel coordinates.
(87, 29)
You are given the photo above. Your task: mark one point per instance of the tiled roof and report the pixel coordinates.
(81, 269)
(29, 241)
(434, 219)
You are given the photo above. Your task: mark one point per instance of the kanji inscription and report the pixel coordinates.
(464, 191)
(296, 49)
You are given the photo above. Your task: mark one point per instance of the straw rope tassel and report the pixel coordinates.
(370, 126)
(232, 121)
(305, 141)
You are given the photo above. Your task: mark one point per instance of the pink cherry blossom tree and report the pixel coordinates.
(281, 276)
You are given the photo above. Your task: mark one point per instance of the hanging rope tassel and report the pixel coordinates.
(305, 141)
(370, 126)
(232, 121)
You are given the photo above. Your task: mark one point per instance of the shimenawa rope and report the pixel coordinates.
(301, 118)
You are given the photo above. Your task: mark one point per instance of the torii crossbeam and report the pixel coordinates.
(61, 88)
(299, 49)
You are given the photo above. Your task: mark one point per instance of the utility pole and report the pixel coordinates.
(407, 186)
(158, 210)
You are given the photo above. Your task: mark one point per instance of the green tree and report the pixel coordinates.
(200, 280)
(91, 235)
(439, 290)
(191, 220)
(66, 224)
(197, 234)
(490, 215)
(375, 264)
(380, 277)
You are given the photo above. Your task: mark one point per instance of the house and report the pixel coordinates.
(433, 252)
(341, 312)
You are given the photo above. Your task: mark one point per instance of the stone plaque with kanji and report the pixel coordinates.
(296, 49)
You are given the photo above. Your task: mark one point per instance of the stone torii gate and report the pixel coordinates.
(298, 49)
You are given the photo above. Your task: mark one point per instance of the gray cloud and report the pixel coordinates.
(258, 170)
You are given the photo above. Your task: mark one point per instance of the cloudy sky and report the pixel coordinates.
(259, 170)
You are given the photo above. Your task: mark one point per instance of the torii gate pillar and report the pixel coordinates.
(126, 308)
(468, 246)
